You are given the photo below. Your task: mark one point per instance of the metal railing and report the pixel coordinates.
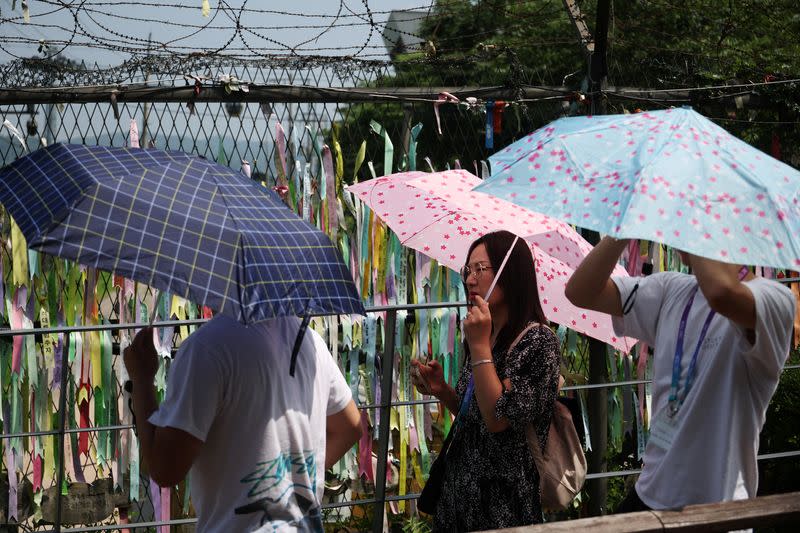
(380, 498)
(764, 511)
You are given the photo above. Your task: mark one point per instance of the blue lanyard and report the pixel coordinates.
(675, 402)
(462, 411)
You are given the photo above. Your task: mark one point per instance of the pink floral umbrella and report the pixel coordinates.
(438, 215)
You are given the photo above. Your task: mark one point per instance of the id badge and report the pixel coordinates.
(663, 429)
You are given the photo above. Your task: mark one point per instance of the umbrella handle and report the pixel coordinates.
(298, 342)
(500, 270)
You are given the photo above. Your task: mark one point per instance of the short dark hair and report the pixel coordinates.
(518, 281)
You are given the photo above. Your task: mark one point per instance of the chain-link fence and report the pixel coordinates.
(97, 488)
(54, 102)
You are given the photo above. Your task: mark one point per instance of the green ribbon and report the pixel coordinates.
(315, 142)
(360, 156)
(222, 159)
(412, 147)
(100, 420)
(388, 147)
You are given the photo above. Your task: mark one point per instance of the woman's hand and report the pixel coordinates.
(478, 329)
(428, 378)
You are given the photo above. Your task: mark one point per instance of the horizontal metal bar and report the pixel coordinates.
(398, 404)
(69, 430)
(132, 525)
(607, 385)
(138, 93)
(778, 455)
(404, 497)
(413, 307)
(351, 503)
(214, 93)
(198, 321)
(101, 327)
(597, 475)
(398, 498)
(615, 473)
(4, 332)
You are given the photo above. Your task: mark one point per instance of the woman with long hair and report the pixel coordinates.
(490, 479)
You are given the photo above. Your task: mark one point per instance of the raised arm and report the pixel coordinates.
(590, 286)
(488, 386)
(168, 452)
(726, 294)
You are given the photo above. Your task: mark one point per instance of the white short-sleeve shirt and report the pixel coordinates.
(713, 455)
(262, 463)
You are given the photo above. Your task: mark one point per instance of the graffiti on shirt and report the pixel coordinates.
(278, 486)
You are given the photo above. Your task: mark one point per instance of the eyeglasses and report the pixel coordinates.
(478, 269)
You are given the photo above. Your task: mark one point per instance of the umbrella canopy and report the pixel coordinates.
(438, 215)
(178, 223)
(669, 176)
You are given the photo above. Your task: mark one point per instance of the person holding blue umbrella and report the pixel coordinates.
(721, 337)
(255, 408)
(257, 441)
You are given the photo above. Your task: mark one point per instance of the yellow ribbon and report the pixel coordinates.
(19, 255)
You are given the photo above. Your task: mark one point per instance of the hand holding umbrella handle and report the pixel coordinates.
(141, 361)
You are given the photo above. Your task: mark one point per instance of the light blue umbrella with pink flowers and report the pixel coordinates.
(670, 176)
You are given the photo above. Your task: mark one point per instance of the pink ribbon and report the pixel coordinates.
(641, 371)
(16, 323)
(133, 138)
(155, 498)
(280, 141)
(123, 519)
(444, 98)
(330, 190)
(37, 473)
(165, 511)
(11, 469)
(634, 258)
(413, 437)
(365, 450)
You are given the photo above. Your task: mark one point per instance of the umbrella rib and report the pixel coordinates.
(68, 206)
(242, 285)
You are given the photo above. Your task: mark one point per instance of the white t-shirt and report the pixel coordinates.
(262, 464)
(713, 454)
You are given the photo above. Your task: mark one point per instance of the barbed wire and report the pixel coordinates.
(239, 34)
(105, 25)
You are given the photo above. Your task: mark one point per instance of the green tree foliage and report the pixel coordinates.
(655, 44)
(782, 434)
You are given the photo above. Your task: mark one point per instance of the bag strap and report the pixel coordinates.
(529, 327)
(530, 434)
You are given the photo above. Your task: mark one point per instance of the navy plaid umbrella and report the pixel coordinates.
(178, 223)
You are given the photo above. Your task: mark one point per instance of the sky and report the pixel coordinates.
(311, 27)
(323, 27)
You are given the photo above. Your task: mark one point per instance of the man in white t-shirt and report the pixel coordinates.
(710, 391)
(257, 441)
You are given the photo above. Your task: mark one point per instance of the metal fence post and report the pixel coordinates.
(62, 407)
(387, 365)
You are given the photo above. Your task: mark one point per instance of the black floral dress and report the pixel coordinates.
(490, 480)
